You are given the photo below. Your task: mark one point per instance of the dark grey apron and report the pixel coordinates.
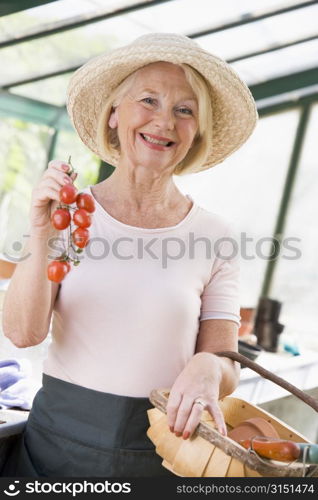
(73, 431)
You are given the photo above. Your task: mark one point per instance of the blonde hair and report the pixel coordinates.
(107, 138)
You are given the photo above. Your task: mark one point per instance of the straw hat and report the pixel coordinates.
(234, 110)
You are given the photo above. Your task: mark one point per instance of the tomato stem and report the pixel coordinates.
(72, 168)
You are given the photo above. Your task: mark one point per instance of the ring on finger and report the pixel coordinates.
(200, 402)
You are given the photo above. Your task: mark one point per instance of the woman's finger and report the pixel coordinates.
(215, 411)
(58, 175)
(183, 414)
(46, 194)
(193, 420)
(173, 403)
(60, 165)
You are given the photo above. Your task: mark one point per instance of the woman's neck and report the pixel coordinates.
(142, 190)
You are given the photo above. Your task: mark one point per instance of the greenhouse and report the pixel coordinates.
(267, 189)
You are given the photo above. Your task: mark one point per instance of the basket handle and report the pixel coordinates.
(243, 360)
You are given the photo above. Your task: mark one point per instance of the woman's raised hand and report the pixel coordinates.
(199, 380)
(45, 195)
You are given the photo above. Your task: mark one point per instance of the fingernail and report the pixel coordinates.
(65, 167)
(171, 428)
(178, 434)
(186, 435)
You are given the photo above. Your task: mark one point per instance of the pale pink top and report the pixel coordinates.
(126, 319)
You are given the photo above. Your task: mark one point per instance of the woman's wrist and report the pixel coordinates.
(215, 363)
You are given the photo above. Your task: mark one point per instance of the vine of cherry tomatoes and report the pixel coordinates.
(62, 218)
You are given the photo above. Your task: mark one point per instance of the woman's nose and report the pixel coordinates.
(164, 119)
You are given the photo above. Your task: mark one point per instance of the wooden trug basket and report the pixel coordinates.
(210, 454)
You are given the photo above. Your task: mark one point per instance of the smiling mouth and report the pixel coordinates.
(147, 138)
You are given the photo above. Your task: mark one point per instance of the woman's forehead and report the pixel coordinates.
(163, 74)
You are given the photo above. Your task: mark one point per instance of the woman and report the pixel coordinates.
(151, 305)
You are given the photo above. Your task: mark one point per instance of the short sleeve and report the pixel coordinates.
(220, 297)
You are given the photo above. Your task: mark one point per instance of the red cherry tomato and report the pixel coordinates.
(86, 201)
(68, 266)
(82, 218)
(61, 218)
(80, 237)
(57, 270)
(68, 194)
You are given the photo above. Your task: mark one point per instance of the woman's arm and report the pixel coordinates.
(30, 297)
(221, 335)
(206, 376)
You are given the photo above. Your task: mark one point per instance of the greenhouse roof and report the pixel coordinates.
(283, 58)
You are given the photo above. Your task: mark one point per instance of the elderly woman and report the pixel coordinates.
(158, 295)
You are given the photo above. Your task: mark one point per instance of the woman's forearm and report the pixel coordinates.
(27, 302)
(220, 335)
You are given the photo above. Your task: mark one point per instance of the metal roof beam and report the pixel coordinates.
(285, 84)
(76, 22)
(38, 78)
(10, 7)
(32, 110)
(287, 104)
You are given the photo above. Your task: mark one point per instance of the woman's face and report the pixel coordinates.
(158, 119)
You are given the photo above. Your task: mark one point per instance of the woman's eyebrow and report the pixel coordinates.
(146, 89)
(193, 99)
(151, 91)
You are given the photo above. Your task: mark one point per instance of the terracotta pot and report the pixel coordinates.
(6, 269)
(252, 427)
(247, 320)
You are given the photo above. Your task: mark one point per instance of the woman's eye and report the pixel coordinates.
(148, 100)
(185, 111)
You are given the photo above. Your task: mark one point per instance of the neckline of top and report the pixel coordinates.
(186, 219)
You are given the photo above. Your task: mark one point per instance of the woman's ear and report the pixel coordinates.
(113, 118)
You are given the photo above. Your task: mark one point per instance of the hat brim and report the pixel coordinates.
(234, 109)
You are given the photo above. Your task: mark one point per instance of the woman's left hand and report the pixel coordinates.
(199, 380)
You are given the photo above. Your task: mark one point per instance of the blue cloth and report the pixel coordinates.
(16, 386)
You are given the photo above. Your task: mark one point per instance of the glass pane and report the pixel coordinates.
(296, 281)
(39, 17)
(188, 16)
(282, 62)
(22, 156)
(60, 51)
(246, 189)
(51, 90)
(264, 34)
(74, 47)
